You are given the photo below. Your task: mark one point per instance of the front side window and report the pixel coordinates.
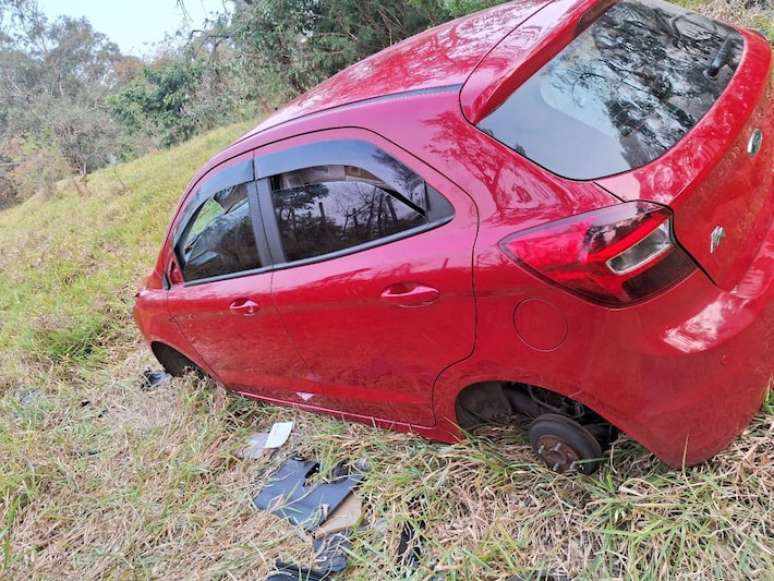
(330, 208)
(219, 239)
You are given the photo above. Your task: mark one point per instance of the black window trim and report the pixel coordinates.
(256, 221)
(239, 173)
(266, 231)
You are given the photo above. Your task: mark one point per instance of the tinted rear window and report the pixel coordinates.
(621, 93)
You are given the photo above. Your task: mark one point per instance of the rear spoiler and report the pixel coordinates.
(525, 50)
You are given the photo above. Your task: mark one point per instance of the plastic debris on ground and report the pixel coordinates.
(344, 517)
(287, 495)
(154, 379)
(328, 510)
(539, 576)
(331, 551)
(29, 397)
(410, 544)
(263, 444)
(290, 572)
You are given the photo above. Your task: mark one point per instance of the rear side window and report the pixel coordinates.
(621, 93)
(219, 239)
(332, 208)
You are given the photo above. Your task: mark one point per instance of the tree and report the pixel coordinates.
(54, 77)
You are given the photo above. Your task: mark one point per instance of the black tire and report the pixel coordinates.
(563, 443)
(174, 362)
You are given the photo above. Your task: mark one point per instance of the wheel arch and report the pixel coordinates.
(173, 361)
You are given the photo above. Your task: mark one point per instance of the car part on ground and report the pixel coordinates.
(331, 552)
(264, 444)
(288, 496)
(256, 447)
(279, 434)
(291, 572)
(539, 576)
(154, 379)
(344, 517)
(410, 544)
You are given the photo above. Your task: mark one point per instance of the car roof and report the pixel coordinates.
(440, 57)
(467, 63)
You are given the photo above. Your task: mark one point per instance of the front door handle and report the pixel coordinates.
(410, 295)
(244, 307)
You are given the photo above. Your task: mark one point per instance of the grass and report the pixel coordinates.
(71, 263)
(99, 479)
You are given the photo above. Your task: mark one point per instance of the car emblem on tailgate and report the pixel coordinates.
(716, 237)
(756, 140)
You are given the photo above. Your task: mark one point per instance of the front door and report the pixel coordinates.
(223, 306)
(374, 280)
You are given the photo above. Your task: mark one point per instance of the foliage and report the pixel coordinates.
(160, 102)
(301, 42)
(35, 169)
(55, 76)
(265, 52)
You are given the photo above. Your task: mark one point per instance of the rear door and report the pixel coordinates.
(223, 304)
(373, 278)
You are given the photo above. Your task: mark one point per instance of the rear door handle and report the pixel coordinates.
(244, 307)
(410, 295)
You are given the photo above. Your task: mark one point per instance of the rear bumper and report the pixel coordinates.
(696, 381)
(687, 406)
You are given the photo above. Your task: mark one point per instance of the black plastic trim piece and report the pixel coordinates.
(270, 223)
(238, 173)
(256, 217)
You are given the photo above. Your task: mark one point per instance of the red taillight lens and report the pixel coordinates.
(616, 255)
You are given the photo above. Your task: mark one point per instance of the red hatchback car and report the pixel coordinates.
(559, 209)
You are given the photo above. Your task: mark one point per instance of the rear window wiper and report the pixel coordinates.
(721, 56)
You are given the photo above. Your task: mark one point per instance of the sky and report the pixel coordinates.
(134, 25)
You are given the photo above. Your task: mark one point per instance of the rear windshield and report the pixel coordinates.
(621, 93)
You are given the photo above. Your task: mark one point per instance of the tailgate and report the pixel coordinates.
(719, 179)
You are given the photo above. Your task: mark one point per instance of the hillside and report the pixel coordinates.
(71, 262)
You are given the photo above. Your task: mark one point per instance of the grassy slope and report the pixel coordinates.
(70, 264)
(98, 478)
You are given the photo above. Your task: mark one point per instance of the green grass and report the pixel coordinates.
(99, 479)
(71, 263)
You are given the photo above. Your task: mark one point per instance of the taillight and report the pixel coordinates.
(616, 255)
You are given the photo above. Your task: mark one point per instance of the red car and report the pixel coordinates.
(553, 209)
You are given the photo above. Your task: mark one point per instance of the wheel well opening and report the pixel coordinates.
(502, 402)
(174, 362)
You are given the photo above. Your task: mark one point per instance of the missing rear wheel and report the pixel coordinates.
(563, 444)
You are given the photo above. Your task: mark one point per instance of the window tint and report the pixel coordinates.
(329, 208)
(622, 93)
(219, 239)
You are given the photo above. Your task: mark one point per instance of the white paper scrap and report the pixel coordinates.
(279, 434)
